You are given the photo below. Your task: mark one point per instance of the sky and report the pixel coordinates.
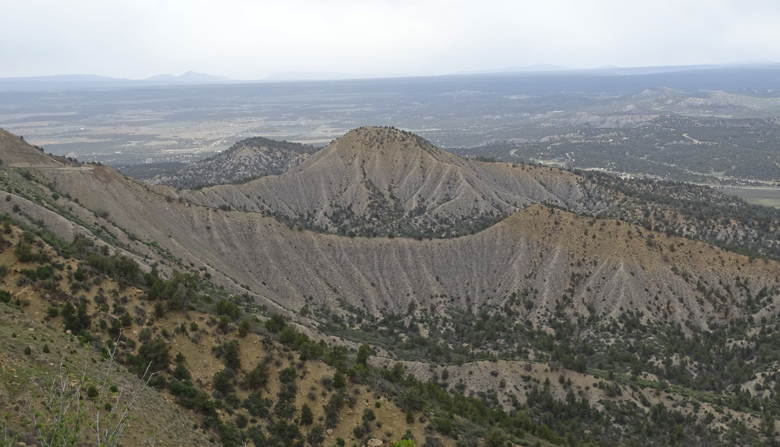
(252, 39)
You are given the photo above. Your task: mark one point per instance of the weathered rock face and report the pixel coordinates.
(384, 181)
(246, 160)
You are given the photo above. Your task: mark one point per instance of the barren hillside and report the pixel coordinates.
(246, 160)
(18, 153)
(384, 181)
(580, 265)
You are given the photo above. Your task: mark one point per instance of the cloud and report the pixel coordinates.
(251, 39)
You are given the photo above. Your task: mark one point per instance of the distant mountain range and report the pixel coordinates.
(90, 81)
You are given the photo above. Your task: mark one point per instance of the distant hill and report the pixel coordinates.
(190, 77)
(313, 76)
(385, 181)
(65, 82)
(246, 160)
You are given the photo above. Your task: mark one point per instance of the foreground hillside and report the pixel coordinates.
(93, 327)
(607, 332)
(241, 379)
(40, 365)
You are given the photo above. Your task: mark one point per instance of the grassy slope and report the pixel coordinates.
(26, 380)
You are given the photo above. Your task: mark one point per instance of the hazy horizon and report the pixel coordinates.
(246, 40)
(324, 76)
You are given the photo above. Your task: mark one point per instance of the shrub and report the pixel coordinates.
(241, 421)
(52, 312)
(153, 355)
(223, 381)
(307, 417)
(339, 380)
(243, 328)
(258, 377)
(76, 319)
(227, 309)
(257, 406)
(25, 253)
(316, 436)
(362, 356)
(181, 372)
(190, 397)
(275, 324)
(229, 353)
(121, 268)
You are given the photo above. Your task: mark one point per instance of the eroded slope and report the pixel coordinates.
(246, 160)
(384, 181)
(575, 264)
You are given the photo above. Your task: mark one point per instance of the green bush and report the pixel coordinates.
(258, 377)
(25, 252)
(223, 381)
(307, 417)
(275, 324)
(257, 406)
(154, 355)
(230, 355)
(76, 319)
(227, 309)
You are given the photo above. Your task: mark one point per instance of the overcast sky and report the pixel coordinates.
(246, 39)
